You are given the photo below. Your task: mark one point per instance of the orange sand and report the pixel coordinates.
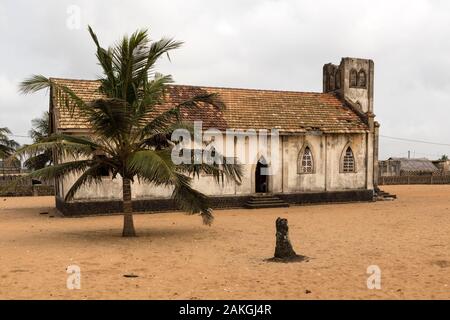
(176, 257)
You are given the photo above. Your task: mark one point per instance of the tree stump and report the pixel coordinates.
(284, 252)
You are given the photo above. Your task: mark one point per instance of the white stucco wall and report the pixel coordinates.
(326, 149)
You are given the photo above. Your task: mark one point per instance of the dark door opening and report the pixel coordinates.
(261, 177)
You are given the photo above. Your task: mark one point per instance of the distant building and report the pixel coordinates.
(10, 167)
(406, 167)
(442, 165)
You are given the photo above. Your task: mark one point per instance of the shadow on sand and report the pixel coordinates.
(115, 234)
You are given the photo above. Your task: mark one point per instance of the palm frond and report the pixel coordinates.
(40, 127)
(39, 161)
(51, 172)
(151, 94)
(88, 177)
(191, 200)
(151, 166)
(156, 50)
(156, 167)
(53, 144)
(110, 117)
(5, 151)
(202, 99)
(34, 83)
(104, 58)
(172, 115)
(226, 170)
(7, 145)
(4, 132)
(160, 137)
(82, 140)
(67, 98)
(60, 170)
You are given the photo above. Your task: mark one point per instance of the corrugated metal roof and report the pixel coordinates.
(417, 164)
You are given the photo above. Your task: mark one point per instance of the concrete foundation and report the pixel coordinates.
(86, 208)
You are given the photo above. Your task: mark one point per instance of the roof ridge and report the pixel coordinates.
(249, 89)
(73, 79)
(290, 111)
(210, 87)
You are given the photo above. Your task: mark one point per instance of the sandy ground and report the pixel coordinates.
(175, 257)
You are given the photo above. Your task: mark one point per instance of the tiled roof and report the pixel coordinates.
(288, 111)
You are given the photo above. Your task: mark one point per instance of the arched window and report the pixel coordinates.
(306, 162)
(331, 82)
(362, 79)
(338, 80)
(353, 78)
(348, 161)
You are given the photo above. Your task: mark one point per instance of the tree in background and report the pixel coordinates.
(39, 132)
(7, 145)
(444, 157)
(128, 139)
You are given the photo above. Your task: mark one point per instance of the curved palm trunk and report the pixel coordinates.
(128, 225)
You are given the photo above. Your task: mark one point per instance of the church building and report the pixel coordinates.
(326, 145)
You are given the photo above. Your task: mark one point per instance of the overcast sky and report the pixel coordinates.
(267, 44)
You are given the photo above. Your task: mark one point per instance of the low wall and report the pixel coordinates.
(430, 179)
(28, 191)
(8, 179)
(20, 186)
(83, 208)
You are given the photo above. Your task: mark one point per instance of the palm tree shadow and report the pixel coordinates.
(115, 235)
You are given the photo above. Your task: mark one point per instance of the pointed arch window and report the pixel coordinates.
(348, 161)
(353, 78)
(331, 82)
(338, 80)
(306, 162)
(362, 79)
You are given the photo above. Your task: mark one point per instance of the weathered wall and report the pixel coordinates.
(389, 168)
(327, 150)
(337, 79)
(294, 147)
(327, 153)
(28, 191)
(363, 96)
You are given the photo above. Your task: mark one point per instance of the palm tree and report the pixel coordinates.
(7, 146)
(128, 139)
(39, 132)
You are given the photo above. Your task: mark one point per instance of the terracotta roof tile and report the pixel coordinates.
(289, 111)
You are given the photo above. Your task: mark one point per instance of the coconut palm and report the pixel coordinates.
(7, 145)
(127, 138)
(39, 132)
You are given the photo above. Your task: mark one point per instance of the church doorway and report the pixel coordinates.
(261, 177)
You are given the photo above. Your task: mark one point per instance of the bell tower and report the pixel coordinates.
(352, 80)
